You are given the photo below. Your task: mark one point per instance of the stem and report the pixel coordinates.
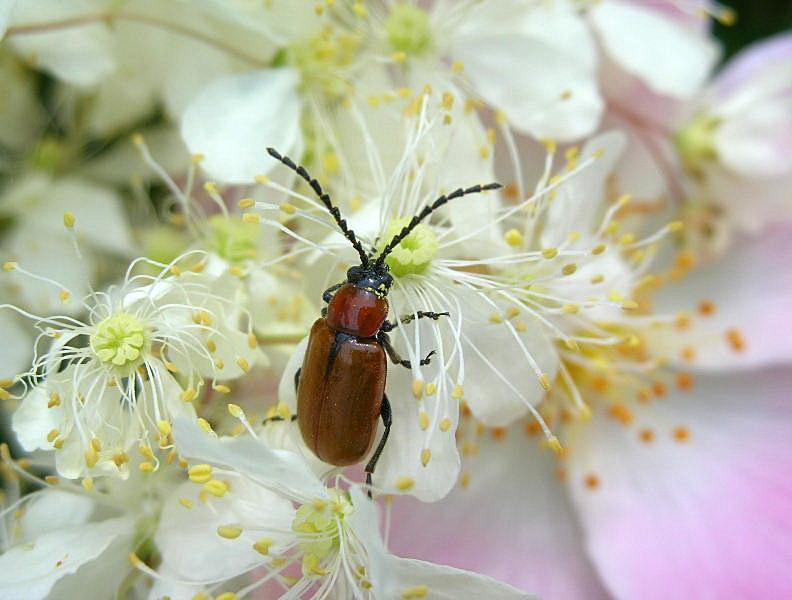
(109, 18)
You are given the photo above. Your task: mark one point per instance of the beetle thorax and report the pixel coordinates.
(357, 311)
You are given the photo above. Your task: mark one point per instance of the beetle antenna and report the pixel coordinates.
(428, 210)
(325, 198)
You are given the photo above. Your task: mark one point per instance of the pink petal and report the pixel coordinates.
(707, 517)
(512, 522)
(751, 288)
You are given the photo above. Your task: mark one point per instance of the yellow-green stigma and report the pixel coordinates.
(232, 238)
(695, 142)
(409, 29)
(321, 60)
(120, 340)
(317, 525)
(415, 252)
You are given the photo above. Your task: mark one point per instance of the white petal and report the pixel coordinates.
(33, 420)
(30, 571)
(672, 58)
(22, 114)
(187, 537)
(6, 8)
(78, 55)
(537, 65)
(54, 509)
(234, 119)
(274, 469)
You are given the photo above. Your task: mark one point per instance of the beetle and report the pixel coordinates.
(341, 384)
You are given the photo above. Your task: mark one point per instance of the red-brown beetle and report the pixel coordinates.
(341, 385)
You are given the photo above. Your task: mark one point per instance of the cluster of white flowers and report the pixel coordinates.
(582, 201)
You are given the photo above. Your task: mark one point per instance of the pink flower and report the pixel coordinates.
(679, 492)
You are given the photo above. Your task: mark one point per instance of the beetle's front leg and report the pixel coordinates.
(327, 295)
(388, 326)
(384, 339)
(385, 413)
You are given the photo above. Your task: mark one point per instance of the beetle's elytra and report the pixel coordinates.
(341, 384)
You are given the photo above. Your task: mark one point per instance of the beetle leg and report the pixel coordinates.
(385, 413)
(297, 378)
(394, 356)
(388, 326)
(327, 295)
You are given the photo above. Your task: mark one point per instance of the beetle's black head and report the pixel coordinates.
(373, 276)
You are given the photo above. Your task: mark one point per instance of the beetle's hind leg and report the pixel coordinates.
(293, 418)
(421, 314)
(394, 355)
(385, 413)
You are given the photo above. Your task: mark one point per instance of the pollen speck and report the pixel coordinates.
(681, 433)
(646, 436)
(591, 481)
(736, 340)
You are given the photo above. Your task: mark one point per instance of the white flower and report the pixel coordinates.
(256, 518)
(116, 379)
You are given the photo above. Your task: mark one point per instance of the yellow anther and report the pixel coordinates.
(287, 208)
(52, 435)
(448, 100)
(186, 502)
(69, 220)
(629, 305)
(624, 200)
(675, 226)
(416, 591)
(263, 545)
(164, 427)
(235, 410)
(627, 239)
(501, 118)
(210, 187)
(246, 203)
(227, 596)
(146, 467)
(423, 420)
(88, 484)
(189, 395)
(262, 179)
(399, 57)
(458, 392)
(569, 269)
(555, 445)
(597, 279)
(205, 425)
(251, 218)
(9, 266)
(484, 152)
(237, 271)
(137, 139)
(491, 136)
(229, 532)
(571, 309)
(120, 459)
(197, 158)
(170, 366)
(512, 312)
(544, 381)
(283, 410)
(134, 560)
(431, 388)
(550, 145)
(200, 473)
(243, 364)
(417, 388)
(571, 153)
(91, 457)
(550, 252)
(426, 456)
(221, 388)
(52, 479)
(457, 66)
(445, 424)
(584, 412)
(495, 318)
(514, 238)
(405, 483)
(216, 487)
(360, 10)
(54, 400)
(211, 345)
(64, 295)
(598, 249)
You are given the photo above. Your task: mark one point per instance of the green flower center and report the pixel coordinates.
(321, 60)
(695, 142)
(409, 29)
(316, 524)
(233, 239)
(120, 340)
(414, 253)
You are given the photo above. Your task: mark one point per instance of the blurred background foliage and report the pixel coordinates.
(756, 19)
